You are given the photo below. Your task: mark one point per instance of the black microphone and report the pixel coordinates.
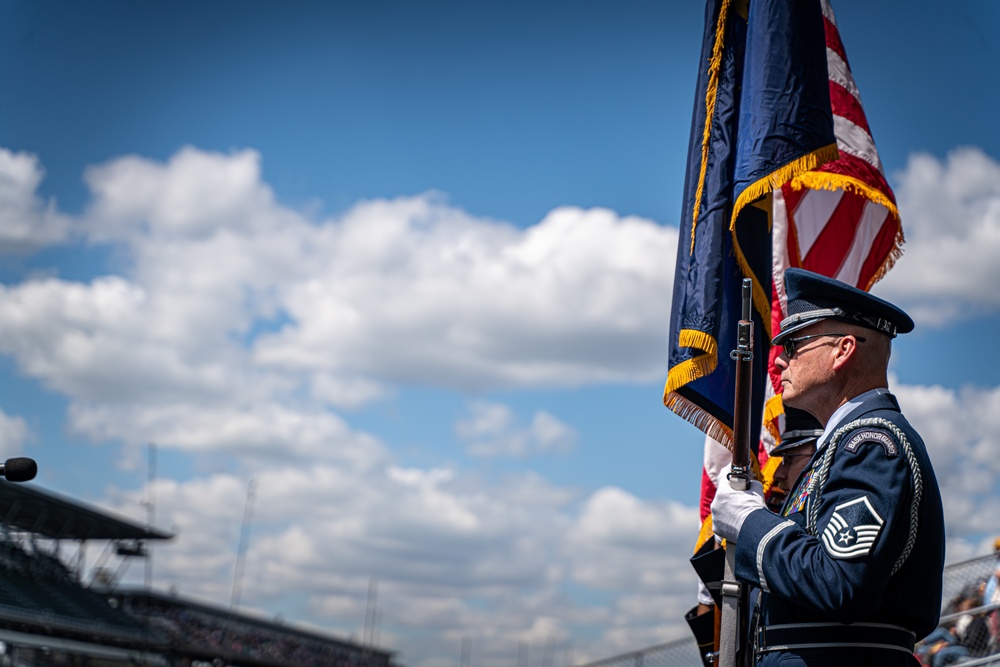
(20, 469)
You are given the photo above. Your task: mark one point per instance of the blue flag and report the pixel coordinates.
(761, 117)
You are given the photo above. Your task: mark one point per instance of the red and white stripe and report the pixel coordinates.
(843, 233)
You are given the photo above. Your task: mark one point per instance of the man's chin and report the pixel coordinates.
(776, 499)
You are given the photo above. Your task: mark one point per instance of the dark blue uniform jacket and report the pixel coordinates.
(855, 548)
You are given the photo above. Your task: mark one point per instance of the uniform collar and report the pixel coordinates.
(840, 416)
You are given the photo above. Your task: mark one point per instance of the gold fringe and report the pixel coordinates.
(773, 408)
(701, 420)
(768, 473)
(698, 340)
(689, 371)
(714, 65)
(783, 175)
(760, 188)
(761, 302)
(890, 260)
(824, 180)
(706, 533)
(697, 367)
(821, 180)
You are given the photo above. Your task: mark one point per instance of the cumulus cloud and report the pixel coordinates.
(14, 433)
(240, 327)
(497, 563)
(490, 429)
(501, 563)
(265, 431)
(26, 221)
(414, 291)
(961, 428)
(951, 217)
(230, 297)
(193, 195)
(519, 560)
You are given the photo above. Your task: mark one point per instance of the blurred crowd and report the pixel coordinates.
(970, 624)
(209, 633)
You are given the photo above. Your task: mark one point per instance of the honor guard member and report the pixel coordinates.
(796, 448)
(850, 570)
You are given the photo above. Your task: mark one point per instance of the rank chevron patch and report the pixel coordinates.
(852, 529)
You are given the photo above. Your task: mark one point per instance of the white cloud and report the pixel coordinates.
(491, 430)
(412, 290)
(233, 300)
(961, 428)
(265, 431)
(346, 392)
(14, 433)
(26, 222)
(237, 326)
(951, 218)
(240, 324)
(94, 341)
(631, 544)
(497, 563)
(193, 195)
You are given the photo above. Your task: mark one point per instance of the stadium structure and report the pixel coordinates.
(49, 615)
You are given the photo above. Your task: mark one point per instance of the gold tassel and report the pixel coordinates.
(714, 65)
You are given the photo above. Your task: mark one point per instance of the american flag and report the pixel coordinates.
(840, 220)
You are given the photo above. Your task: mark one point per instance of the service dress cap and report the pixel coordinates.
(813, 297)
(801, 428)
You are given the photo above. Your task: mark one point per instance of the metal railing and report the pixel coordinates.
(679, 653)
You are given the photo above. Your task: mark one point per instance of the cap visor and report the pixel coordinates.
(798, 326)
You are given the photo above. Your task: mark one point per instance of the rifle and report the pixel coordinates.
(732, 648)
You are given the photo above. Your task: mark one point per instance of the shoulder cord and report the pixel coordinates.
(819, 479)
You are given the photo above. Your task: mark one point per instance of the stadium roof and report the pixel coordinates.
(275, 628)
(29, 508)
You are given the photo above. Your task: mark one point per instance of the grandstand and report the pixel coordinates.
(959, 577)
(49, 616)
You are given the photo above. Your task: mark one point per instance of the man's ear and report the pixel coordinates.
(845, 350)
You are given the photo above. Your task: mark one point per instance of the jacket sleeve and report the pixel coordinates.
(862, 527)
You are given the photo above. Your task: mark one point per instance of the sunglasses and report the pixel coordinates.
(792, 456)
(791, 346)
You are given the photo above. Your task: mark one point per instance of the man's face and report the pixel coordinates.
(792, 464)
(809, 368)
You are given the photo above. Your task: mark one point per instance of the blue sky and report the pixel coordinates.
(409, 268)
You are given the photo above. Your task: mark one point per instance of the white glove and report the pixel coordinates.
(731, 508)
